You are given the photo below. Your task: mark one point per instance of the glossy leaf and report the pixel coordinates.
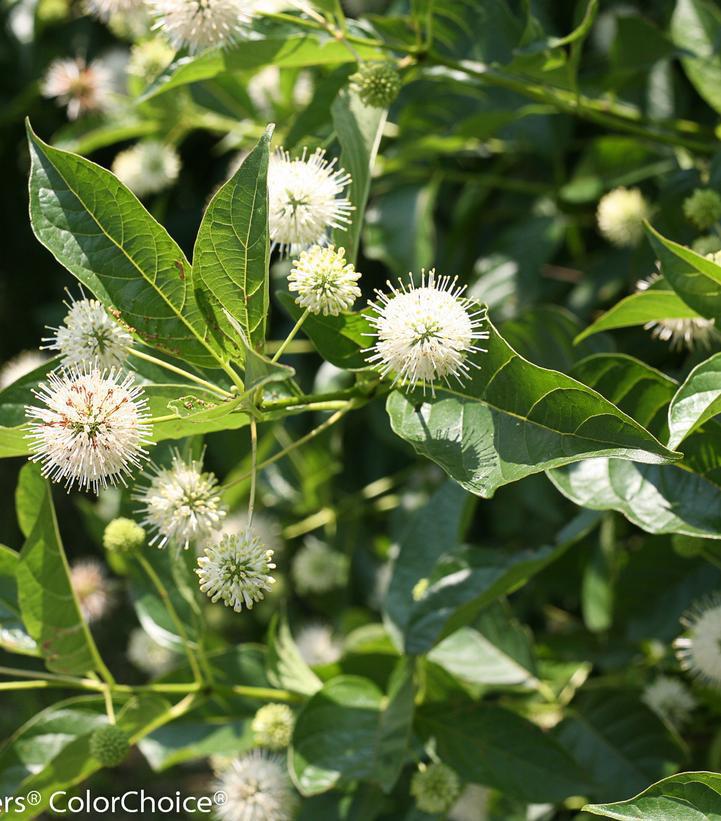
(13, 636)
(511, 419)
(97, 229)
(696, 401)
(695, 30)
(232, 252)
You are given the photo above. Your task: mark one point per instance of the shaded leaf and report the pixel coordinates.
(286, 667)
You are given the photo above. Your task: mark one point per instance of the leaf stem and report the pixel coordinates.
(173, 613)
(293, 332)
(253, 469)
(109, 709)
(180, 372)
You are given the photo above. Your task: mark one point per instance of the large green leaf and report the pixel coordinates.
(286, 51)
(694, 796)
(13, 636)
(490, 745)
(511, 419)
(639, 309)
(97, 229)
(696, 401)
(359, 129)
(231, 255)
(620, 742)
(695, 30)
(48, 605)
(695, 279)
(350, 731)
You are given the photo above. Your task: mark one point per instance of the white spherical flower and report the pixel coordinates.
(19, 366)
(305, 199)
(147, 167)
(316, 645)
(324, 281)
(89, 336)
(236, 571)
(105, 9)
(257, 788)
(90, 429)
(148, 59)
(149, 656)
(670, 698)
(80, 86)
(201, 24)
(699, 651)
(318, 568)
(181, 504)
(689, 333)
(425, 334)
(272, 726)
(620, 216)
(91, 588)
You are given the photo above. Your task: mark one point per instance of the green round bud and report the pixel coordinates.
(703, 208)
(109, 745)
(377, 84)
(123, 536)
(273, 726)
(706, 245)
(435, 788)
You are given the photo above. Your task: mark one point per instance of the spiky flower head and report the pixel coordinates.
(89, 336)
(621, 214)
(273, 725)
(91, 588)
(149, 58)
(19, 366)
(201, 24)
(149, 656)
(305, 199)
(105, 9)
(669, 698)
(181, 504)
(324, 281)
(147, 167)
(699, 650)
(90, 429)
(317, 568)
(79, 86)
(703, 208)
(257, 788)
(109, 745)
(236, 570)
(377, 84)
(425, 334)
(689, 333)
(435, 787)
(123, 536)
(316, 645)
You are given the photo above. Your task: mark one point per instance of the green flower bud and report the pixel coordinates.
(703, 208)
(273, 726)
(123, 536)
(109, 745)
(435, 788)
(377, 84)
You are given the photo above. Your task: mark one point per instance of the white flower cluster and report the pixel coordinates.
(699, 650)
(78, 85)
(257, 788)
(148, 167)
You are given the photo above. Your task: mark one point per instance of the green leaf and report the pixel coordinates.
(696, 401)
(285, 51)
(188, 740)
(695, 279)
(232, 252)
(286, 668)
(340, 339)
(48, 605)
(492, 746)
(13, 636)
(349, 731)
(620, 742)
(30, 494)
(97, 229)
(694, 796)
(359, 129)
(695, 30)
(511, 419)
(640, 308)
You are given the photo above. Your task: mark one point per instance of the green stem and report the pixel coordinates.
(109, 709)
(173, 613)
(180, 372)
(293, 332)
(264, 693)
(310, 399)
(253, 469)
(296, 347)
